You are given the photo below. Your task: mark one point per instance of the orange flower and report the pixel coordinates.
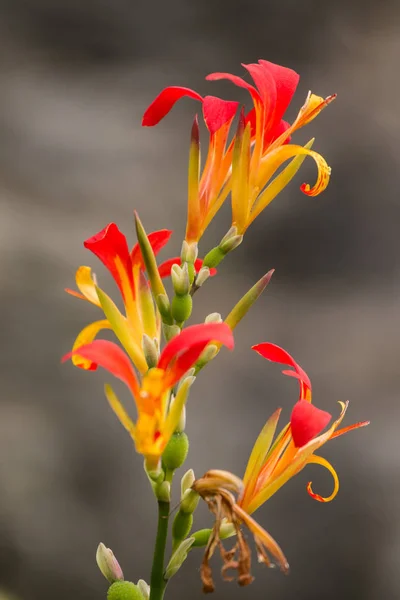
(273, 462)
(247, 166)
(157, 417)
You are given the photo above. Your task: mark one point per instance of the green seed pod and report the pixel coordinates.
(181, 308)
(182, 525)
(176, 451)
(124, 590)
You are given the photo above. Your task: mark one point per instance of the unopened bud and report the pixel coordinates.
(176, 451)
(144, 588)
(213, 318)
(154, 473)
(163, 491)
(108, 564)
(170, 331)
(202, 536)
(231, 244)
(213, 258)
(180, 279)
(189, 251)
(182, 421)
(187, 481)
(232, 232)
(150, 350)
(181, 308)
(208, 354)
(190, 373)
(178, 557)
(202, 276)
(164, 307)
(189, 501)
(181, 526)
(124, 590)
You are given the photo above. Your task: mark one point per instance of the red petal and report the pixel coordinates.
(279, 355)
(108, 245)
(193, 336)
(275, 132)
(237, 81)
(164, 102)
(286, 81)
(306, 422)
(184, 362)
(165, 268)
(217, 112)
(112, 358)
(157, 240)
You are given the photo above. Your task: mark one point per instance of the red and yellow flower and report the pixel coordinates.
(127, 268)
(156, 419)
(273, 462)
(247, 166)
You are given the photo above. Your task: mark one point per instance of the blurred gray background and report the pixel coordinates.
(75, 78)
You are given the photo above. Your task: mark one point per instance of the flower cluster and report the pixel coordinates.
(158, 356)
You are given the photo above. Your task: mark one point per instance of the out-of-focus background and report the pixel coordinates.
(75, 78)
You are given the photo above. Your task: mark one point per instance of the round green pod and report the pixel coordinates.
(124, 590)
(181, 308)
(176, 451)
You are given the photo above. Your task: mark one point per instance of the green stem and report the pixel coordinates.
(157, 581)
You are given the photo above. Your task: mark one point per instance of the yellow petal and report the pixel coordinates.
(240, 180)
(258, 454)
(119, 410)
(271, 164)
(86, 285)
(318, 460)
(123, 332)
(86, 336)
(194, 213)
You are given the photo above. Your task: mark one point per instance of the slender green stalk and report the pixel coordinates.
(157, 581)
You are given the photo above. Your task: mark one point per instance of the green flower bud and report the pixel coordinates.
(187, 481)
(232, 232)
(202, 276)
(202, 536)
(208, 354)
(231, 244)
(213, 318)
(213, 258)
(176, 451)
(108, 564)
(182, 525)
(124, 590)
(150, 350)
(178, 557)
(164, 307)
(144, 588)
(180, 279)
(170, 331)
(181, 308)
(163, 491)
(189, 501)
(189, 252)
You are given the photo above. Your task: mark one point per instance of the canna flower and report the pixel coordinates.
(141, 321)
(247, 166)
(271, 464)
(157, 418)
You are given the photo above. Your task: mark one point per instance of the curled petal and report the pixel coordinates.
(194, 336)
(276, 354)
(307, 421)
(218, 112)
(164, 102)
(318, 460)
(110, 246)
(86, 286)
(157, 240)
(237, 81)
(86, 336)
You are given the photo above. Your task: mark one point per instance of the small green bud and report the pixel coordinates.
(180, 279)
(163, 491)
(108, 564)
(181, 308)
(182, 420)
(164, 307)
(189, 501)
(202, 276)
(232, 232)
(155, 474)
(144, 588)
(170, 331)
(213, 318)
(182, 525)
(124, 590)
(231, 244)
(202, 536)
(189, 252)
(150, 350)
(176, 451)
(208, 354)
(187, 481)
(178, 557)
